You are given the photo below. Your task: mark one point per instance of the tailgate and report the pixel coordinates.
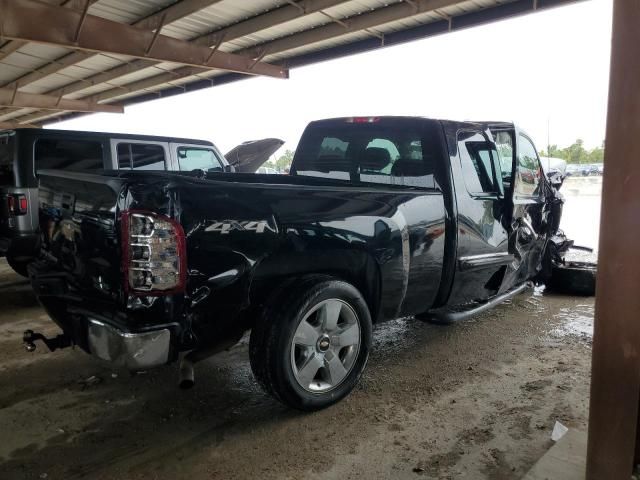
(78, 216)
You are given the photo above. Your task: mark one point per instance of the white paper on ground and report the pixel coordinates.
(558, 431)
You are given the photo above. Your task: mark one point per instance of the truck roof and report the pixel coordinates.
(84, 133)
(364, 119)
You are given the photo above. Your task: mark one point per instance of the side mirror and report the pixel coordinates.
(229, 169)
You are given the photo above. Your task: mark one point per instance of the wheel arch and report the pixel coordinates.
(355, 267)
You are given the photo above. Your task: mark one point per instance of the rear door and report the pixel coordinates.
(527, 223)
(482, 236)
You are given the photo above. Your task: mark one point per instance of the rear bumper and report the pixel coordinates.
(132, 350)
(135, 340)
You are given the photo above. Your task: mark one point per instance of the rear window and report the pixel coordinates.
(66, 154)
(140, 156)
(7, 149)
(369, 153)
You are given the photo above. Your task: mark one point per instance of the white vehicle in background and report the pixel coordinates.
(267, 170)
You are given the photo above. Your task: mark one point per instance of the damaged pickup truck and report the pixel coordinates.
(381, 217)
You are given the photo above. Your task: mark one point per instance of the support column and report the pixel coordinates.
(615, 382)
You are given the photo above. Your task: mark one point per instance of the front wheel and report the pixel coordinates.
(312, 343)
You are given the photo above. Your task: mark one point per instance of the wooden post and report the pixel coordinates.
(615, 381)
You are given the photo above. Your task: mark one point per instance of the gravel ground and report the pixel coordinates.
(475, 400)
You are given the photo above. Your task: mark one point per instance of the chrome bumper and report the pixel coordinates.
(131, 350)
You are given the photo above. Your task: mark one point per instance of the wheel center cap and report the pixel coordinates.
(323, 343)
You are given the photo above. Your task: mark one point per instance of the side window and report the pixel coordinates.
(65, 154)
(504, 143)
(477, 158)
(192, 158)
(528, 170)
(140, 156)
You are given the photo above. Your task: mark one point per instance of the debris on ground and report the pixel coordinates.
(90, 381)
(559, 431)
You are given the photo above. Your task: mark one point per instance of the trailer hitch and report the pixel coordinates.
(29, 337)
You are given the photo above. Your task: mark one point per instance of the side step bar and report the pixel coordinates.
(446, 318)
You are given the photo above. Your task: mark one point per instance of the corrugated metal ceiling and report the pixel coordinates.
(134, 80)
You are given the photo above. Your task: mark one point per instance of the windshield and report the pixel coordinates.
(7, 154)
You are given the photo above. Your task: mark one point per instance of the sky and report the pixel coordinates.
(548, 72)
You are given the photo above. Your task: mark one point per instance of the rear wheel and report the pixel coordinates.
(18, 264)
(312, 343)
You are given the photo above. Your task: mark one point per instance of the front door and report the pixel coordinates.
(527, 225)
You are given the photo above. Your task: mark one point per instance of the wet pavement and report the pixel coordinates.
(473, 400)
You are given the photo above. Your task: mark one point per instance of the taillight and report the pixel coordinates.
(17, 204)
(153, 254)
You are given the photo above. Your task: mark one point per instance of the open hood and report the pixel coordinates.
(249, 156)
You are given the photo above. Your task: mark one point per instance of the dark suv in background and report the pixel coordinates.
(24, 152)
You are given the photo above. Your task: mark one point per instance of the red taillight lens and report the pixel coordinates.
(17, 204)
(22, 202)
(153, 254)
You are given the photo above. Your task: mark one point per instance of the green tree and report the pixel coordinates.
(576, 153)
(284, 161)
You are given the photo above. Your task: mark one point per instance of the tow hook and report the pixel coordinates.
(29, 337)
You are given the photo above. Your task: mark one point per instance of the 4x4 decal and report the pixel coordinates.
(225, 226)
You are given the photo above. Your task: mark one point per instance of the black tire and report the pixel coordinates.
(574, 278)
(272, 340)
(18, 264)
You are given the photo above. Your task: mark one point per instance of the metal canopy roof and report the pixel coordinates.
(59, 58)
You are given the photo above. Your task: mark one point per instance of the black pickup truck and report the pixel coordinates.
(380, 217)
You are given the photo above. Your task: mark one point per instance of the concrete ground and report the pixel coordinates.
(476, 400)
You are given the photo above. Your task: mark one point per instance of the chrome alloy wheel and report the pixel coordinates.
(325, 346)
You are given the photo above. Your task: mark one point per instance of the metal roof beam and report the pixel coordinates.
(76, 30)
(14, 45)
(9, 47)
(14, 98)
(11, 125)
(167, 15)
